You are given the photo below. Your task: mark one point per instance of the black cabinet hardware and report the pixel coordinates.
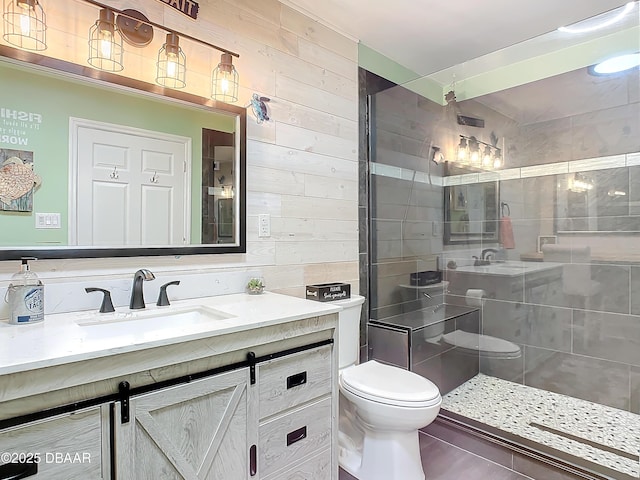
(15, 471)
(297, 379)
(296, 435)
(253, 460)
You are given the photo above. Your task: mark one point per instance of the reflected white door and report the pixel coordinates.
(132, 186)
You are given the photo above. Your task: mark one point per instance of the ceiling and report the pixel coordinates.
(426, 36)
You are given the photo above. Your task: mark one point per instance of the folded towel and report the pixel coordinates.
(506, 233)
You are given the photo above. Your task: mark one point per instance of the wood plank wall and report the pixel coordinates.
(302, 166)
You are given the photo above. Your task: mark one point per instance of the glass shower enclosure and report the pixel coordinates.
(504, 260)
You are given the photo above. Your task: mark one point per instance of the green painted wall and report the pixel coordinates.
(55, 100)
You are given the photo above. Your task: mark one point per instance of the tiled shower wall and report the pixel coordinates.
(578, 337)
(583, 344)
(406, 197)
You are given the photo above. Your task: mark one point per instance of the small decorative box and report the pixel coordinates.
(428, 277)
(327, 292)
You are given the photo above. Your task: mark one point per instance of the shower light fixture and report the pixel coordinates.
(25, 24)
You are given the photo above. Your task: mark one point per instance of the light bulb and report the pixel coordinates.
(25, 24)
(105, 44)
(224, 84)
(497, 163)
(171, 65)
(25, 18)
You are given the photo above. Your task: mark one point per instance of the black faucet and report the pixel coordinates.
(487, 251)
(137, 292)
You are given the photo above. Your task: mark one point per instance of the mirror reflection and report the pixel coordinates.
(470, 212)
(115, 171)
(598, 201)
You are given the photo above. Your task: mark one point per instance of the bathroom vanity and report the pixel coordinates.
(228, 387)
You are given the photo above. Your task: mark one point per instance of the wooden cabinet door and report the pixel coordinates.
(72, 446)
(193, 431)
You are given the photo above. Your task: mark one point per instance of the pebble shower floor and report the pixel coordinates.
(603, 435)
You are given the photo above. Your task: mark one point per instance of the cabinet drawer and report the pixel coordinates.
(289, 381)
(316, 468)
(295, 435)
(68, 447)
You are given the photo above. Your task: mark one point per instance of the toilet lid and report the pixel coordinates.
(481, 343)
(391, 385)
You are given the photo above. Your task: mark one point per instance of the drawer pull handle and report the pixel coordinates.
(296, 435)
(297, 379)
(15, 471)
(253, 460)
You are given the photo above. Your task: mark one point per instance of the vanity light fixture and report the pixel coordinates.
(476, 153)
(463, 149)
(25, 24)
(172, 64)
(225, 80)
(105, 43)
(137, 30)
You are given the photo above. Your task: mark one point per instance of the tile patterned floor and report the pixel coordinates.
(442, 461)
(600, 434)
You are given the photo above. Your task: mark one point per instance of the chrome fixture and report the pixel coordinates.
(137, 291)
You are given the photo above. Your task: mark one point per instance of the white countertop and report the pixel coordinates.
(509, 269)
(62, 339)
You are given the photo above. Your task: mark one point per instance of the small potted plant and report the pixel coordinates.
(255, 286)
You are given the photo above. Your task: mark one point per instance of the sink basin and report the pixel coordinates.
(144, 322)
(507, 268)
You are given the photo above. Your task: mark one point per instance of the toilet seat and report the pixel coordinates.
(486, 345)
(389, 385)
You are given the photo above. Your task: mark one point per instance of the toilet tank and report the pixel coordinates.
(349, 330)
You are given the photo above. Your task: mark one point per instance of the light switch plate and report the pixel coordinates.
(48, 220)
(264, 225)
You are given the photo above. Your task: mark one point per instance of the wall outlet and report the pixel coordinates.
(264, 225)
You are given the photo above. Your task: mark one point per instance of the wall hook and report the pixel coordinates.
(154, 179)
(114, 175)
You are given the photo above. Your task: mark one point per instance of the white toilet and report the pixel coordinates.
(381, 409)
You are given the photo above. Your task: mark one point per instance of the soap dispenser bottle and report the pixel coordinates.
(25, 296)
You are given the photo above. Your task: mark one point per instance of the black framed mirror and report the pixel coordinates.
(114, 194)
(470, 211)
